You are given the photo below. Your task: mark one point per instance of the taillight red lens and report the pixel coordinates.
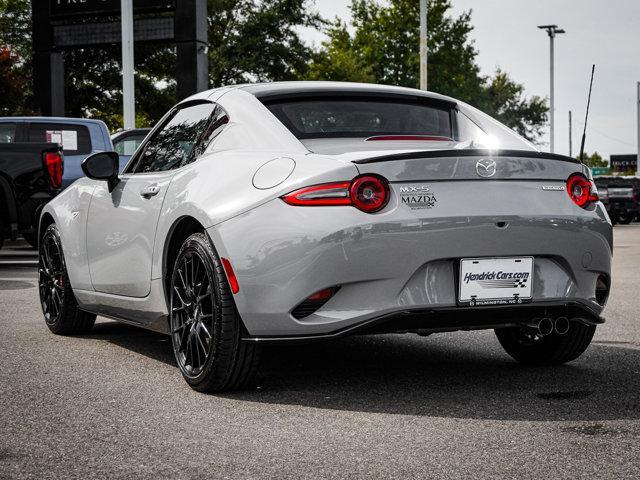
(368, 193)
(581, 190)
(53, 162)
(320, 195)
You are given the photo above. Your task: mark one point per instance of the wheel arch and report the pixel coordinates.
(46, 219)
(179, 231)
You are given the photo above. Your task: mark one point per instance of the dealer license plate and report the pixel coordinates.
(495, 281)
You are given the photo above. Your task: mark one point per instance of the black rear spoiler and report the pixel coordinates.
(476, 152)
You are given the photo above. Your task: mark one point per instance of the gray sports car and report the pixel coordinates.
(304, 211)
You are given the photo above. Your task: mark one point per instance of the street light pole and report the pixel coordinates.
(552, 31)
(128, 92)
(638, 154)
(570, 135)
(423, 44)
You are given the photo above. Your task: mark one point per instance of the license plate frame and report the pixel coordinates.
(501, 274)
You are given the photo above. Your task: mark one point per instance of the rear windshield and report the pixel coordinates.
(7, 132)
(365, 117)
(74, 139)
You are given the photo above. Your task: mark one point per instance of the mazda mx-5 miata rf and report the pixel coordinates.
(303, 211)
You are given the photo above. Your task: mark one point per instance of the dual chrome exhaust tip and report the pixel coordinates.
(547, 325)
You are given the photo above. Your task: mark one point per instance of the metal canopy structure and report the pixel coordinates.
(60, 25)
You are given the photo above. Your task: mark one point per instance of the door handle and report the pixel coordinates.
(149, 191)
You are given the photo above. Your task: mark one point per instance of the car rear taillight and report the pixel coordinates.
(369, 193)
(320, 195)
(53, 163)
(581, 190)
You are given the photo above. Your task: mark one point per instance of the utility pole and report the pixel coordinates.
(638, 154)
(570, 134)
(552, 31)
(128, 92)
(423, 44)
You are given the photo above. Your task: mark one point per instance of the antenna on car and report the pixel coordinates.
(586, 115)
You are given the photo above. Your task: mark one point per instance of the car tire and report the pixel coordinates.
(58, 302)
(554, 349)
(206, 329)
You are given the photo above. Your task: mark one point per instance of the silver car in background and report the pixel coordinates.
(304, 211)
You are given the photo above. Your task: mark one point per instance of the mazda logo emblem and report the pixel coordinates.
(486, 168)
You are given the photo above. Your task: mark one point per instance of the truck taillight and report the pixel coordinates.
(369, 193)
(53, 162)
(581, 190)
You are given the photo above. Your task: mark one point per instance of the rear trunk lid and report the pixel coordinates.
(477, 183)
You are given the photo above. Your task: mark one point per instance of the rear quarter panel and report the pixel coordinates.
(220, 186)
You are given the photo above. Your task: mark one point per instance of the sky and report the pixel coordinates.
(604, 32)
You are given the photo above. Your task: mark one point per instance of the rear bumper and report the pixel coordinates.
(395, 265)
(427, 321)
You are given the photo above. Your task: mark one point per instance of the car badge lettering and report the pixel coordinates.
(417, 197)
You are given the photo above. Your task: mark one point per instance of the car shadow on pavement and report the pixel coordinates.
(150, 344)
(464, 375)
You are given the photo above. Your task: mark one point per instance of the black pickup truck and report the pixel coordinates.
(30, 175)
(623, 197)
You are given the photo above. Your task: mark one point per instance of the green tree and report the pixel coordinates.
(12, 84)
(593, 160)
(249, 40)
(338, 60)
(385, 43)
(15, 57)
(258, 40)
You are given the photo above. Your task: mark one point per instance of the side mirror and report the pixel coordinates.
(102, 166)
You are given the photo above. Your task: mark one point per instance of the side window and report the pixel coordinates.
(174, 143)
(128, 145)
(7, 132)
(75, 139)
(212, 130)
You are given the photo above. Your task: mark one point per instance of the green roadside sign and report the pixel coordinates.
(599, 170)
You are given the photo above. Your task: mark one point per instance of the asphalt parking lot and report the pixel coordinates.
(113, 405)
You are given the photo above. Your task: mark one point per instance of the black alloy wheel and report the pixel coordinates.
(51, 277)
(59, 304)
(193, 306)
(206, 329)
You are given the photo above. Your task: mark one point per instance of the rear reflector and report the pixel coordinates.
(53, 163)
(231, 275)
(313, 302)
